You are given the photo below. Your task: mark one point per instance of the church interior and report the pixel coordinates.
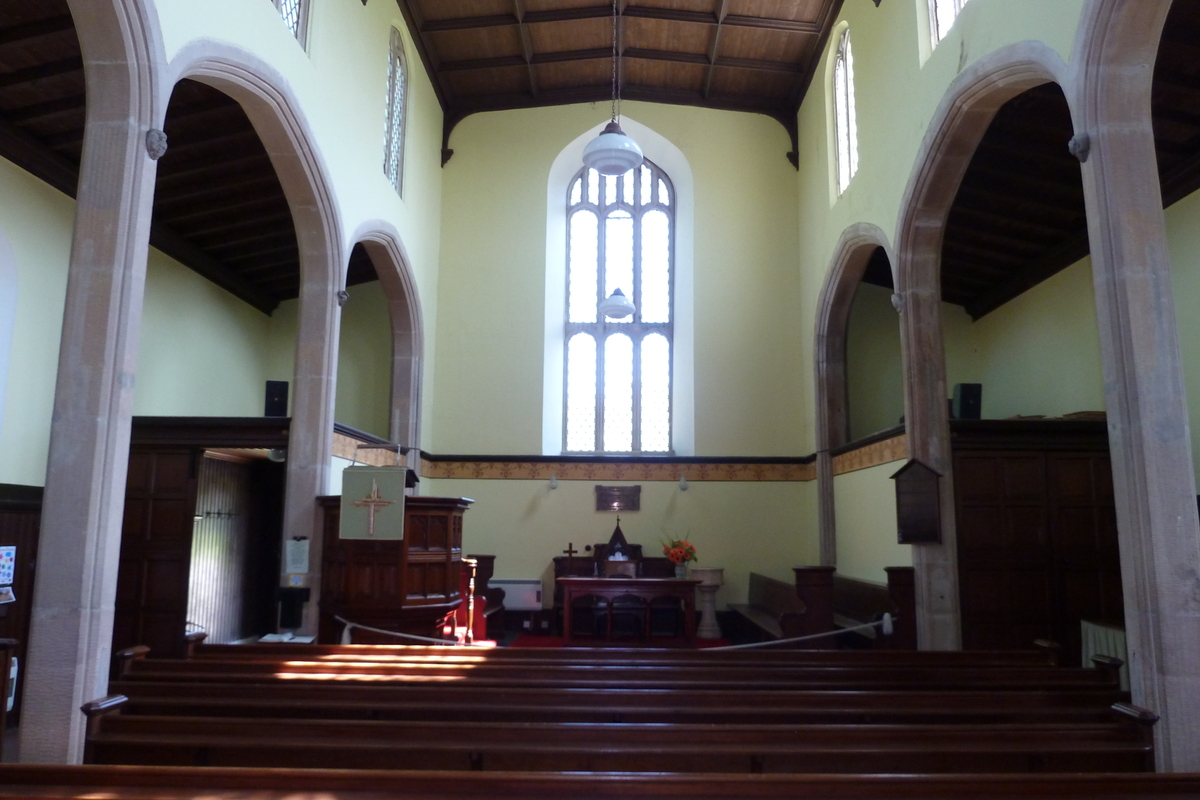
(879, 322)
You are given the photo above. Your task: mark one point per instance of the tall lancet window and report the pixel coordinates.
(620, 235)
(295, 15)
(844, 122)
(942, 14)
(397, 96)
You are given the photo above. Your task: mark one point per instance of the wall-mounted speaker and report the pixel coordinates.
(276, 404)
(968, 401)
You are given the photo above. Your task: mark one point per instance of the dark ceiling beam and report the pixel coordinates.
(974, 194)
(800, 88)
(416, 26)
(47, 108)
(207, 192)
(956, 248)
(1012, 245)
(526, 46)
(32, 30)
(988, 217)
(34, 157)
(1070, 250)
(185, 216)
(1181, 179)
(240, 166)
(602, 53)
(244, 221)
(714, 42)
(598, 12)
(52, 69)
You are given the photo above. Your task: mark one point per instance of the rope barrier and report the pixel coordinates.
(347, 634)
(885, 622)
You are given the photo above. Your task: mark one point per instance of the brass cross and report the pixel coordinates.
(373, 502)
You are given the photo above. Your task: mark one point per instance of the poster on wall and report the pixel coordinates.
(372, 503)
(8, 559)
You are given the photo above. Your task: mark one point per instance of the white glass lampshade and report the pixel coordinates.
(616, 305)
(612, 152)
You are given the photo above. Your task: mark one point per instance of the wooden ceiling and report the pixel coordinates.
(219, 208)
(742, 55)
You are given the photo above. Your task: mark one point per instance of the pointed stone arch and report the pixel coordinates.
(274, 111)
(83, 504)
(383, 244)
(850, 257)
(1149, 431)
(958, 125)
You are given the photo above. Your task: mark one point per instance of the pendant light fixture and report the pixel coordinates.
(612, 152)
(616, 305)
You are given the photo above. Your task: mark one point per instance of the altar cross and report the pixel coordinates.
(373, 503)
(569, 553)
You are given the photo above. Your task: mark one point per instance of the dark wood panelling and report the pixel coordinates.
(20, 524)
(1037, 539)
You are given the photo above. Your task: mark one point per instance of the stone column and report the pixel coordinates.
(1148, 426)
(71, 635)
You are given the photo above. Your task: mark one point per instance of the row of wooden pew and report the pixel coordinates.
(605, 710)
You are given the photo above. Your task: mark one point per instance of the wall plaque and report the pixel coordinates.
(618, 498)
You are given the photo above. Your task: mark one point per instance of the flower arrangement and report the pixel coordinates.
(680, 551)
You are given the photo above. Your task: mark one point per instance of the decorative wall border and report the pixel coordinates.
(517, 468)
(872, 454)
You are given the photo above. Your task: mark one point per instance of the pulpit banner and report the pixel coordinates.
(372, 503)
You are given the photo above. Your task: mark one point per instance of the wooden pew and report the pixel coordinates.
(194, 741)
(690, 676)
(773, 608)
(460, 703)
(750, 659)
(173, 783)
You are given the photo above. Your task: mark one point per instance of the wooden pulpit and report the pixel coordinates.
(403, 585)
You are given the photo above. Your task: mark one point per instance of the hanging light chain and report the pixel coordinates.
(615, 94)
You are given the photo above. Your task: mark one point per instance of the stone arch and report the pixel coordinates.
(275, 113)
(958, 125)
(1149, 432)
(849, 262)
(383, 244)
(83, 504)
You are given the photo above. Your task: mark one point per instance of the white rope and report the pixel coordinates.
(886, 622)
(350, 626)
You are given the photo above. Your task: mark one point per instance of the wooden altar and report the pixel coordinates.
(642, 591)
(403, 585)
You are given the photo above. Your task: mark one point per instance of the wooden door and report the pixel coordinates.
(156, 550)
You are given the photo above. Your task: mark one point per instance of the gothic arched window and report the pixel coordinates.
(942, 14)
(295, 15)
(397, 95)
(620, 235)
(844, 123)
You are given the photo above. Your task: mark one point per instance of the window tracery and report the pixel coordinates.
(397, 97)
(845, 121)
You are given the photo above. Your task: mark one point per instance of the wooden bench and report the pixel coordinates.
(451, 702)
(646, 676)
(858, 602)
(773, 608)
(174, 783)
(1120, 746)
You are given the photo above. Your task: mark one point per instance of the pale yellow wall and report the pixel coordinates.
(364, 386)
(340, 82)
(897, 97)
(37, 221)
(1183, 239)
(201, 351)
(874, 374)
(1037, 354)
(865, 502)
(742, 526)
(492, 283)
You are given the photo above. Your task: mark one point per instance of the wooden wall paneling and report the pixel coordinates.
(20, 521)
(156, 549)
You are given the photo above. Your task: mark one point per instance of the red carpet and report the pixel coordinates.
(531, 640)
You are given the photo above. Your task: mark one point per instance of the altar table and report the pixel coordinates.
(646, 589)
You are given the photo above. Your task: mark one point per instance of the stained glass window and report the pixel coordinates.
(844, 121)
(620, 235)
(942, 14)
(393, 123)
(295, 16)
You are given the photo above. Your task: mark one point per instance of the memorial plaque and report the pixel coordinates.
(618, 498)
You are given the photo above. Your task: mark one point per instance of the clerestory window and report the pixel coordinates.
(397, 96)
(844, 121)
(942, 14)
(295, 16)
(620, 235)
